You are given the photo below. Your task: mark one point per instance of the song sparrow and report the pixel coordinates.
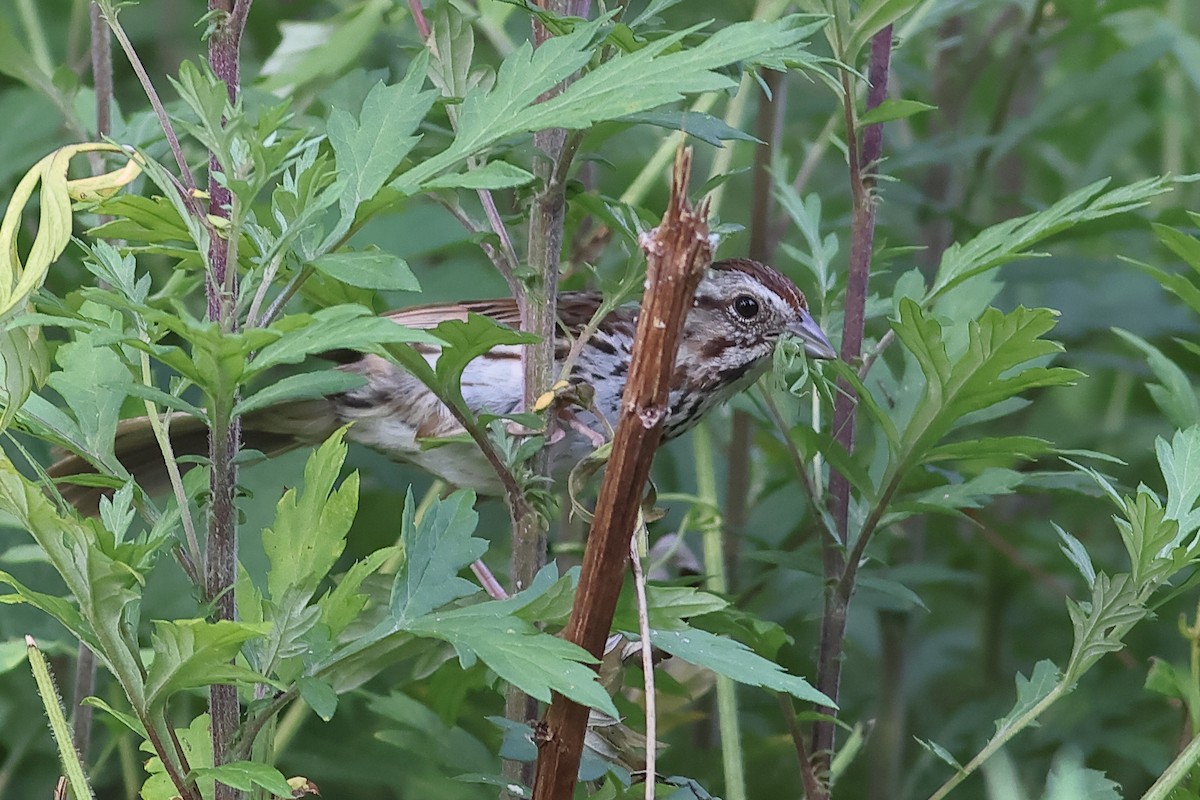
(741, 309)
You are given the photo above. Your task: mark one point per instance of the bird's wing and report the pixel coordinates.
(575, 310)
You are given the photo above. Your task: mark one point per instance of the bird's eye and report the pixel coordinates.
(745, 306)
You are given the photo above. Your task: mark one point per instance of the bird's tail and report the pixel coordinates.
(272, 431)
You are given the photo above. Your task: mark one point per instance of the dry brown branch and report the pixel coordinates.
(677, 251)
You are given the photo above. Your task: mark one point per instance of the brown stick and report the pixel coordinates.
(678, 251)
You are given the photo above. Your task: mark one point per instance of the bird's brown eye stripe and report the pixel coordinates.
(769, 277)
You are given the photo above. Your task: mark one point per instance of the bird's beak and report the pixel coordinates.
(816, 343)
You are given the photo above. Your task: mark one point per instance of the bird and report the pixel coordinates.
(741, 309)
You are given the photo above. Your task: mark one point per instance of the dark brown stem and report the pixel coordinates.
(678, 252)
(85, 686)
(862, 163)
(812, 784)
(224, 52)
(186, 788)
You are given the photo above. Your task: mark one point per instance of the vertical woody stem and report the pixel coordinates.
(678, 251)
(224, 52)
(863, 157)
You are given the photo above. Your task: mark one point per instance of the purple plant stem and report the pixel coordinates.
(224, 52)
(862, 163)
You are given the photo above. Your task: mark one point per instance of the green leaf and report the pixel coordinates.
(189, 653)
(369, 269)
(872, 17)
(1070, 780)
(435, 552)
(1101, 626)
(370, 148)
(1149, 536)
(734, 660)
(988, 372)
(128, 720)
(320, 696)
(302, 545)
(940, 752)
(1074, 550)
(306, 386)
(893, 109)
(196, 743)
(246, 775)
(337, 327)
(1030, 691)
(309, 50)
(705, 127)
(92, 381)
(1180, 464)
(1022, 447)
(1174, 393)
(657, 74)
(492, 175)
(535, 662)
(101, 584)
(1012, 239)
(971, 493)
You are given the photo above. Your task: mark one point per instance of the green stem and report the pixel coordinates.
(1176, 772)
(1002, 738)
(38, 46)
(709, 523)
(72, 767)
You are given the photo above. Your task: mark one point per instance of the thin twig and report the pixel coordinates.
(812, 783)
(160, 111)
(643, 608)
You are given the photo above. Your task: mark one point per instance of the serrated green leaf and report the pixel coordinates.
(1179, 461)
(196, 743)
(92, 381)
(1070, 780)
(970, 493)
(1012, 239)
(1030, 692)
(629, 83)
(535, 662)
(1114, 609)
(987, 373)
(310, 527)
(189, 653)
(1149, 536)
(435, 551)
(369, 269)
(370, 148)
(736, 661)
(102, 585)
